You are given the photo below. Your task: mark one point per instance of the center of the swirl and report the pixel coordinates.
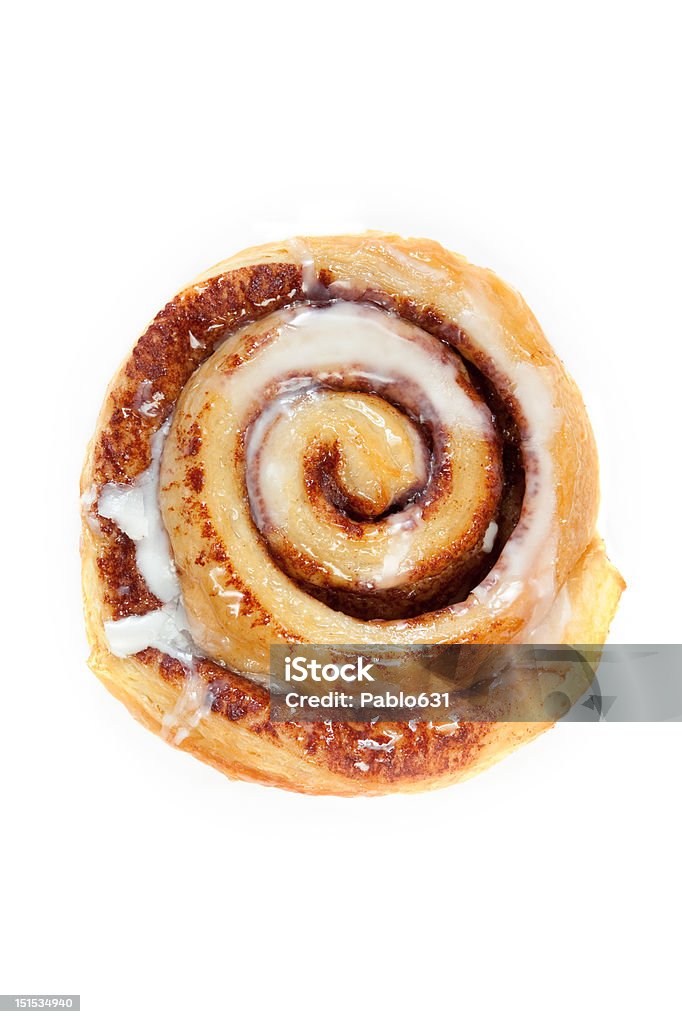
(366, 456)
(371, 464)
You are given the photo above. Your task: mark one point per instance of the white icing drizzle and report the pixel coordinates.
(414, 261)
(152, 407)
(310, 285)
(147, 400)
(233, 598)
(396, 566)
(370, 744)
(447, 728)
(291, 391)
(165, 628)
(192, 706)
(136, 511)
(328, 342)
(529, 556)
(89, 497)
(88, 502)
(489, 537)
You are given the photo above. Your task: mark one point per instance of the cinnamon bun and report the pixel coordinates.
(344, 440)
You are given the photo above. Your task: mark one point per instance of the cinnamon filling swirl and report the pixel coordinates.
(333, 464)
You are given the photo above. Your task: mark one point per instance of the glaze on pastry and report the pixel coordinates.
(355, 439)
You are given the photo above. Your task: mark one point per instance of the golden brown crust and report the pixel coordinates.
(238, 737)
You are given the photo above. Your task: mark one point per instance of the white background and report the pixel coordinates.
(147, 141)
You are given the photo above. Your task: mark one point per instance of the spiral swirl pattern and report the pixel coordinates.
(331, 467)
(344, 441)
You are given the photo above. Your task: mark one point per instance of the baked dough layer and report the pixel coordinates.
(459, 305)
